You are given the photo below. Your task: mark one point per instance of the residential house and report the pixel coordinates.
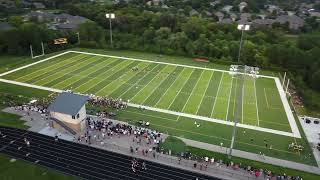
(226, 21)
(262, 22)
(57, 21)
(294, 21)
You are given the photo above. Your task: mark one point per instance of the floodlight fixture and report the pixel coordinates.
(110, 16)
(244, 27)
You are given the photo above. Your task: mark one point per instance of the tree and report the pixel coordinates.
(315, 80)
(162, 37)
(15, 20)
(193, 28)
(91, 32)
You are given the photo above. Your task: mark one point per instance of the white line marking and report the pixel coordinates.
(84, 74)
(255, 94)
(148, 83)
(154, 89)
(265, 96)
(180, 89)
(136, 83)
(72, 67)
(51, 67)
(229, 99)
(23, 67)
(106, 75)
(194, 87)
(205, 92)
(287, 108)
(216, 97)
(168, 88)
(242, 98)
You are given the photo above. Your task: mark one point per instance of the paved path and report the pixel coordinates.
(252, 156)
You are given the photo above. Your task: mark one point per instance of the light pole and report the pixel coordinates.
(110, 16)
(242, 28)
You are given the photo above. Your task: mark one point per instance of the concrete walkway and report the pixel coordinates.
(252, 156)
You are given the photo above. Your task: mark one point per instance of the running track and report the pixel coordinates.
(83, 161)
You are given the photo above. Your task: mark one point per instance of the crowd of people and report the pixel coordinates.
(33, 106)
(203, 163)
(107, 102)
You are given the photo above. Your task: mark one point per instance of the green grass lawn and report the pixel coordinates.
(177, 146)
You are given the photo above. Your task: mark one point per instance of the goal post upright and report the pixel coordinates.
(284, 79)
(31, 51)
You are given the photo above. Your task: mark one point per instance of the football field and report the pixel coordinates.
(189, 90)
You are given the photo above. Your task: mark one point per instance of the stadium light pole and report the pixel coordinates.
(242, 28)
(110, 16)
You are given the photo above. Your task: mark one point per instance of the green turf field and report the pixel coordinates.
(207, 93)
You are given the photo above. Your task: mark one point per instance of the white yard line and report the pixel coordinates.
(156, 87)
(180, 89)
(205, 92)
(194, 87)
(72, 68)
(242, 101)
(229, 100)
(168, 88)
(265, 96)
(88, 75)
(170, 112)
(136, 83)
(148, 82)
(255, 94)
(235, 97)
(216, 97)
(32, 64)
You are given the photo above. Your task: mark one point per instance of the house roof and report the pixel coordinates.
(68, 103)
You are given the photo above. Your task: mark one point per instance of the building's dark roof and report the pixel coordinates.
(67, 26)
(5, 26)
(68, 103)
